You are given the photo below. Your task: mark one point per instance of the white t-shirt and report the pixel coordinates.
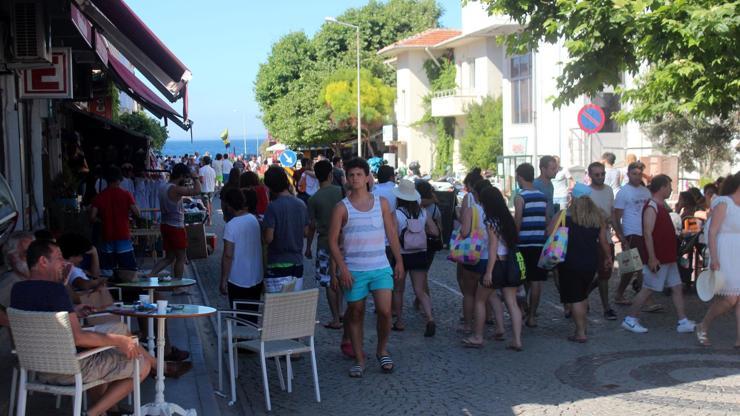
(246, 268)
(612, 178)
(312, 184)
(560, 183)
(74, 274)
(386, 191)
(218, 167)
(604, 199)
(402, 222)
(227, 166)
(632, 199)
(209, 178)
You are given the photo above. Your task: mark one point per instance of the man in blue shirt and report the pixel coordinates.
(44, 291)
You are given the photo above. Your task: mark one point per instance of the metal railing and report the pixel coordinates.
(455, 92)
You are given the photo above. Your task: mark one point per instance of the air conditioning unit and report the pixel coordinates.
(30, 42)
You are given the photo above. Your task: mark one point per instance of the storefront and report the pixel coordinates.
(57, 102)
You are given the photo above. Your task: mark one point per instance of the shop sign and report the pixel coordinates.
(518, 146)
(102, 106)
(49, 82)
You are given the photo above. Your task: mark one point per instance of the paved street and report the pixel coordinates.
(616, 372)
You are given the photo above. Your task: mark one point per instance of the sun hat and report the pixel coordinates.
(580, 190)
(406, 191)
(709, 283)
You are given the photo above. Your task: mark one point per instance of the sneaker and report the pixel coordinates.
(686, 327)
(633, 326)
(610, 315)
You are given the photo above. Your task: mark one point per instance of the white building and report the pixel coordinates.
(527, 83)
(478, 60)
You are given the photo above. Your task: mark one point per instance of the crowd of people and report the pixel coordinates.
(372, 229)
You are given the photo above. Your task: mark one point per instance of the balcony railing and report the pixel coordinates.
(455, 92)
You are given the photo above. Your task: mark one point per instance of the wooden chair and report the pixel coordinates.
(45, 344)
(286, 319)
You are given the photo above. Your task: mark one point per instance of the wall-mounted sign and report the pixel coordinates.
(517, 146)
(54, 81)
(388, 134)
(591, 118)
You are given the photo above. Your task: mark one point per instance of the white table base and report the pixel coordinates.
(150, 325)
(160, 407)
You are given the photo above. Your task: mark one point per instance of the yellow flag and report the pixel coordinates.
(224, 135)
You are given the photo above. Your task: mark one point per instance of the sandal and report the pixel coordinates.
(397, 327)
(431, 329)
(514, 348)
(622, 301)
(333, 325)
(498, 336)
(386, 363)
(467, 343)
(356, 371)
(573, 338)
(703, 338)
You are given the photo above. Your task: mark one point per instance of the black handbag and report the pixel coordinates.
(434, 243)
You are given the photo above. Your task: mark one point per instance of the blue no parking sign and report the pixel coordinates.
(288, 158)
(591, 118)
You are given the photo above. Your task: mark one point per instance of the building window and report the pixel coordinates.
(471, 74)
(521, 89)
(610, 103)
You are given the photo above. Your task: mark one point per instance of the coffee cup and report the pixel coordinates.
(153, 280)
(161, 307)
(144, 299)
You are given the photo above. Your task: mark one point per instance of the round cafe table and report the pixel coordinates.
(146, 284)
(160, 407)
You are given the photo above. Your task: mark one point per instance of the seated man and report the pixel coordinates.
(44, 291)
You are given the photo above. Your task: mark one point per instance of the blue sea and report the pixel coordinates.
(213, 146)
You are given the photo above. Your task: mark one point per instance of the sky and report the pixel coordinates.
(223, 42)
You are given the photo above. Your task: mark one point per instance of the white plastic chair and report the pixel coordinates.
(45, 344)
(239, 332)
(285, 319)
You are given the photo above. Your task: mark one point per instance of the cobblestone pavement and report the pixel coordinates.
(616, 372)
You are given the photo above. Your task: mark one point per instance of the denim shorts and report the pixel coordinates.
(368, 281)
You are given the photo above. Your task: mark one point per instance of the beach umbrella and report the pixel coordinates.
(225, 137)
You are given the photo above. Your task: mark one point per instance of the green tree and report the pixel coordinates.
(340, 96)
(142, 123)
(702, 145)
(289, 85)
(482, 142)
(683, 52)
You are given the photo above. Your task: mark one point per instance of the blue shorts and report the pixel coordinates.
(369, 281)
(117, 254)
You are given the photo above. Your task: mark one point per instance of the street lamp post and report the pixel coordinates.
(359, 112)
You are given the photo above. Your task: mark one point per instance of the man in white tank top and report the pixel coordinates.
(364, 222)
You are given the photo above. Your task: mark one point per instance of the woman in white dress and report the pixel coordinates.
(724, 246)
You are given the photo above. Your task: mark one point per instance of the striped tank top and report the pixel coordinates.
(534, 222)
(364, 238)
